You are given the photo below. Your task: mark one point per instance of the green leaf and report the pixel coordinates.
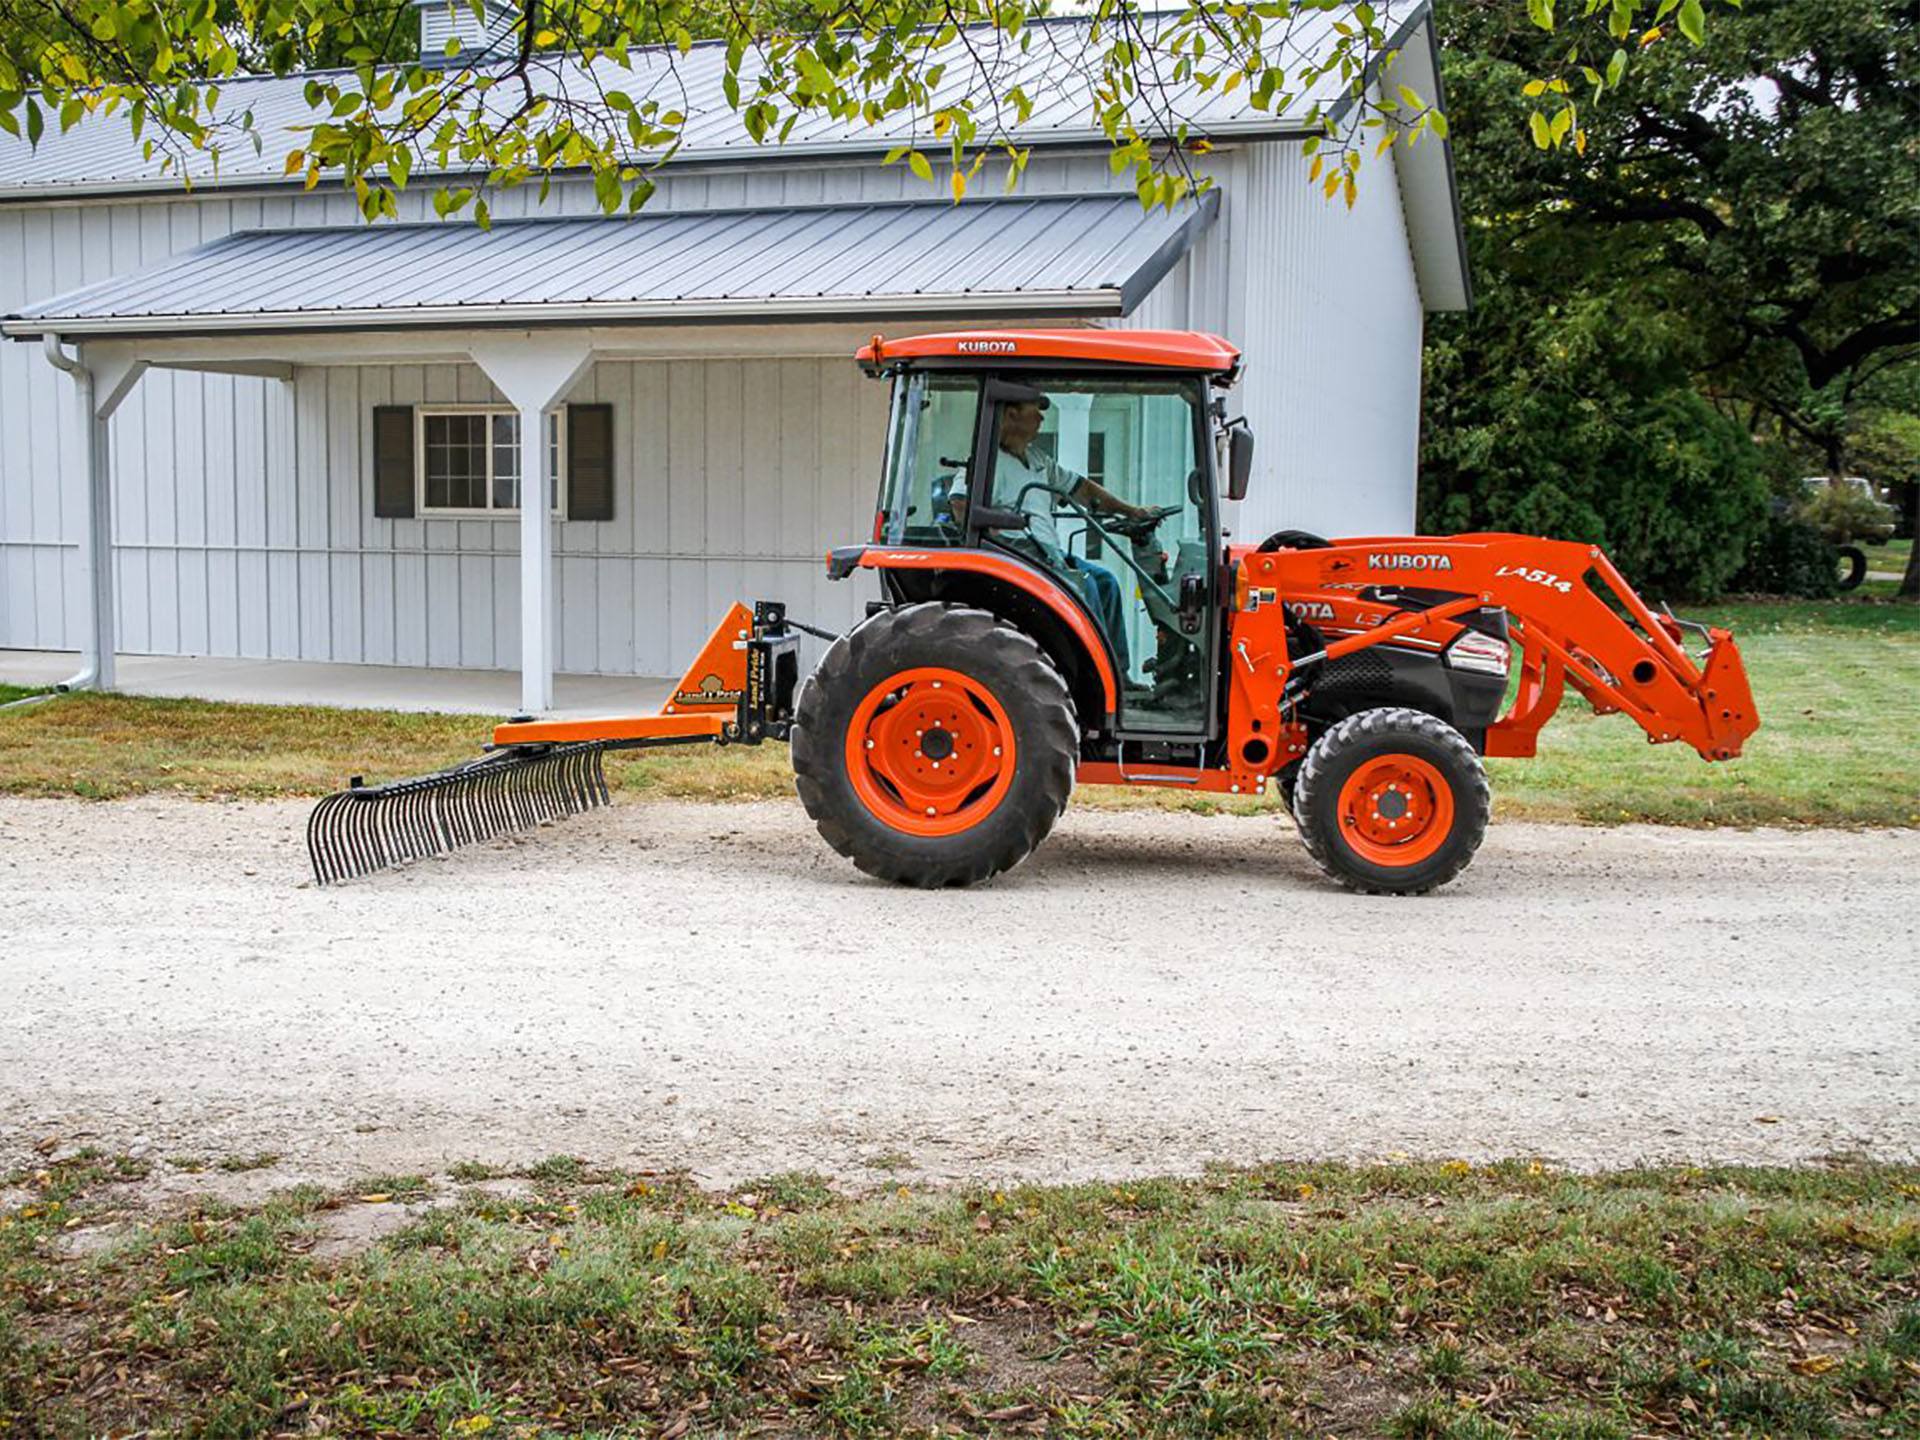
(918, 163)
(1542, 135)
(1693, 21)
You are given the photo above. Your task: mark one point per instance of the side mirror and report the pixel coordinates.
(1239, 461)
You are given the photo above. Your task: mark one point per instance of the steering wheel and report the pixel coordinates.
(1139, 528)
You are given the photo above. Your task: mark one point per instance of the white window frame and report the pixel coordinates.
(558, 510)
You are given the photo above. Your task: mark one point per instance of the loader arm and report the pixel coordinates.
(1573, 618)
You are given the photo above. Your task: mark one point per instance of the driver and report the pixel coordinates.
(1022, 469)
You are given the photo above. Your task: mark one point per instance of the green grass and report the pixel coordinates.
(11, 693)
(1412, 1300)
(1837, 686)
(1891, 556)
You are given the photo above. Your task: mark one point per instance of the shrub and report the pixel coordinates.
(1790, 557)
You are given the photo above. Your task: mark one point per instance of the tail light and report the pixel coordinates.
(1481, 654)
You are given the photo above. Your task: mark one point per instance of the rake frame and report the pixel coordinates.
(739, 691)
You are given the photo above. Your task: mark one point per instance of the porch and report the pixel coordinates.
(353, 687)
(677, 488)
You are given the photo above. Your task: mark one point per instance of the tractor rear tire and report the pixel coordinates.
(1392, 802)
(934, 745)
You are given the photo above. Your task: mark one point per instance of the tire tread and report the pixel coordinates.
(861, 656)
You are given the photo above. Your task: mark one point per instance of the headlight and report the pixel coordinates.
(1482, 654)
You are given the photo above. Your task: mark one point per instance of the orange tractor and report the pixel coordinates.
(1058, 606)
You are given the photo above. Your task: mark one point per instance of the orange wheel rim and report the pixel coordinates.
(930, 751)
(1396, 810)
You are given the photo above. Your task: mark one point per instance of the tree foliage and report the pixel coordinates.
(570, 96)
(1731, 261)
(1775, 169)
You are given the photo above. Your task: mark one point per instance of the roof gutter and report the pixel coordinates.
(1104, 301)
(740, 158)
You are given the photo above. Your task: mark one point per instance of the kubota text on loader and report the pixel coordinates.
(1058, 605)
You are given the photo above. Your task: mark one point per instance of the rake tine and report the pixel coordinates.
(371, 827)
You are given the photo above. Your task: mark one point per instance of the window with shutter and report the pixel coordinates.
(590, 462)
(393, 477)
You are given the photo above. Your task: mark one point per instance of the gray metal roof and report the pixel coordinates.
(1083, 255)
(99, 155)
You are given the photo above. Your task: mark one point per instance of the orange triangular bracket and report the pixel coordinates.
(718, 676)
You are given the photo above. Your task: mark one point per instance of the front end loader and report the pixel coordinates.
(1059, 604)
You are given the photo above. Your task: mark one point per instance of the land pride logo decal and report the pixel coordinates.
(1400, 560)
(712, 691)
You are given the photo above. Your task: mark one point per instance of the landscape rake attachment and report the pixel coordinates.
(739, 691)
(370, 827)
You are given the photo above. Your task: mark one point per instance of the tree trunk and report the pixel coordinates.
(1910, 582)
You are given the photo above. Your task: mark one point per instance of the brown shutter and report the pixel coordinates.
(393, 461)
(590, 462)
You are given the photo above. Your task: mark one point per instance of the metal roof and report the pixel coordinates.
(1085, 255)
(99, 155)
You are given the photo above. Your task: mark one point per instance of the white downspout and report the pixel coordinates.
(96, 549)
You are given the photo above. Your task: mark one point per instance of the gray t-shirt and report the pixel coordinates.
(1037, 481)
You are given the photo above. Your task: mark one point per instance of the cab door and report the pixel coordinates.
(1113, 493)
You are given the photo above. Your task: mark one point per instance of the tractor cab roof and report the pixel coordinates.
(1153, 349)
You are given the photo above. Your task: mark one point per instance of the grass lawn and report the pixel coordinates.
(1408, 1301)
(10, 693)
(1888, 559)
(1836, 685)
(1891, 556)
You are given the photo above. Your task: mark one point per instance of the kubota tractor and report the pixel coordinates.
(1058, 605)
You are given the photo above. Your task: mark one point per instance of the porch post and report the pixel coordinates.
(101, 382)
(535, 371)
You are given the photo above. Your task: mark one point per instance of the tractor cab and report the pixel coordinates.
(1084, 464)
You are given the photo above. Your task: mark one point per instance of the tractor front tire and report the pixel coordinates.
(1392, 802)
(934, 745)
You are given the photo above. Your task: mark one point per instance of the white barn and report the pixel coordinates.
(297, 440)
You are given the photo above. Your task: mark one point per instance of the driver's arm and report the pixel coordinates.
(1097, 497)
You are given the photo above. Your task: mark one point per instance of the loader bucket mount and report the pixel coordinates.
(738, 691)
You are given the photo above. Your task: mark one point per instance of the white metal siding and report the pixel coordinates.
(243, 515)
(1324, 302)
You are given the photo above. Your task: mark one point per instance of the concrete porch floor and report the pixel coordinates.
(370, 687)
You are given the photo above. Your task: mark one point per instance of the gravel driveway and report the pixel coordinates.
(676, 985)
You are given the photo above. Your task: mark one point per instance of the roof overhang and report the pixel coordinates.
(1429, 192)
(1070, 257)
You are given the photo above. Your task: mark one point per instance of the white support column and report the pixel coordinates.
(535, 372)
(101, 381)
(1073, 430)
